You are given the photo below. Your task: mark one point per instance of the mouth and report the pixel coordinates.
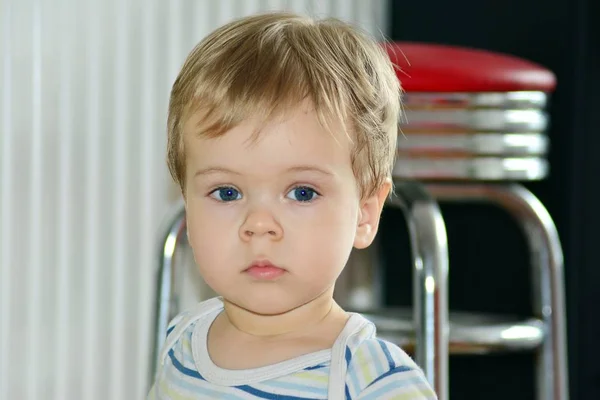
(264, 270)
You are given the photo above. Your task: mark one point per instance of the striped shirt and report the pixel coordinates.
(359, 366)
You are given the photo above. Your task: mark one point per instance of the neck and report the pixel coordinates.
(293, 321)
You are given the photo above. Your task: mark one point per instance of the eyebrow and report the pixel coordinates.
(215, 170)
(310, 168)
(298, 168)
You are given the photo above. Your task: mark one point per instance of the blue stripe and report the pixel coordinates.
(305, 388)
(348, 356)
(319, 366)
(265, 395)
(353, 373)
(182, 369)
(386, 351)
(396, 370)
(348, 397)
(170, 330)
(392, 386)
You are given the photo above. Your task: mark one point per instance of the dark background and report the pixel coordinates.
(489, 268)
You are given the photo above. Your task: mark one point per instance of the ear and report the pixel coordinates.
(369, 215)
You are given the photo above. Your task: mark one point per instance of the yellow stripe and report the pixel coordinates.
(364, 365)
(173, 395)
(414, 394)
(307, 375)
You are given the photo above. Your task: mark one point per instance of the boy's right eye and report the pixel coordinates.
(226, 194)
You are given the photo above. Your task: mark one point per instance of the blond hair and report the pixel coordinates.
(265, 64)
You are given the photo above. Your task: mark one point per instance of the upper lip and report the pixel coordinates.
(262, 264)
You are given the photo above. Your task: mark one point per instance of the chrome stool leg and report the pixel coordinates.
(430, 258)
(547, 264)
(166, 298)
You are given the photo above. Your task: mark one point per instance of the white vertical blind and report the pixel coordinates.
(83, 184)
(6, 207)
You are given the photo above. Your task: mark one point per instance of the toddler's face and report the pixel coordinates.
(289, 199)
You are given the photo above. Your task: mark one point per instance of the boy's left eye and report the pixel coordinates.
(302, 194)
(226, 194)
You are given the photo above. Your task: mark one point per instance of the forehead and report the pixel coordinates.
(297, 136)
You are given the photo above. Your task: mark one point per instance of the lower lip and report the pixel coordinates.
(266, 273)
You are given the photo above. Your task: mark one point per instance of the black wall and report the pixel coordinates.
(489, 261)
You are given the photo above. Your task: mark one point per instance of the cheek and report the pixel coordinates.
(338, 221)
(327, 236)
(209, 242)
(209, 232)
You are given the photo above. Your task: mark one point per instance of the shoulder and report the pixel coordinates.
(179, 332)
(378, 369)
(177, 374)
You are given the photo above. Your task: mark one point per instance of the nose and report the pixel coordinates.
(260, 223)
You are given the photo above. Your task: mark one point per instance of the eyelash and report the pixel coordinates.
(309, 188)
(317, 194)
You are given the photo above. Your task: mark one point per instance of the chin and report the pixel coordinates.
(265, 304)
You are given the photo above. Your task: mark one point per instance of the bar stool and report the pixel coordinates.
(474, 129)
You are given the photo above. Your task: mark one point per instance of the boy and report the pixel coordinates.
(282, 136)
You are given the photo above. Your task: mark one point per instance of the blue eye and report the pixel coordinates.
(302, 194)
(226, 194)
